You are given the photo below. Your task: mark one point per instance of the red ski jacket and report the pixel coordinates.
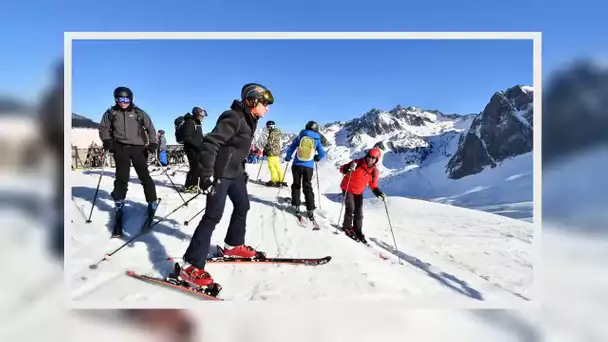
(360, 178)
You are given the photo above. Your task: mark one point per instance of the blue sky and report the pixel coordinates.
(311, 80)
(33, 36)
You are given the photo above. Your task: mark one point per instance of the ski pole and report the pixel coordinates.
(282, 180)
(260, 169)
(344, 199)
(141, 233)
(391, 227)
(170, 180)
(318, 187)
(195, 215)
(103, 166)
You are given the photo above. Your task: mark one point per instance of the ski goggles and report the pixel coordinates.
(123, 99)
(267, 98)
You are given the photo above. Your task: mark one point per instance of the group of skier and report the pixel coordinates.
(217, 169)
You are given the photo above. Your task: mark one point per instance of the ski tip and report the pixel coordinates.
(131, 273)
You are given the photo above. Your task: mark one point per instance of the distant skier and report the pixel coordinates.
(309, 151)
(192, 140)
(223, 154)
(122, 130)
(357, 175)
(273, 151)
(162, 148)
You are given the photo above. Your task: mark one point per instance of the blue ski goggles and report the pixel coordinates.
(123, 99)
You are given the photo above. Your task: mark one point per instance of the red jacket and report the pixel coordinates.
(360, 178)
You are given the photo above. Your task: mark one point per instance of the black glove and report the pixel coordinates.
(205, 184)
(152, 147)
(317, 158)
(246, 176)
(265, 153)
(379, 194)
(350, 168)
(108, 145)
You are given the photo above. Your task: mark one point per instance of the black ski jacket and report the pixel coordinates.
(225, 149)
(193, 133)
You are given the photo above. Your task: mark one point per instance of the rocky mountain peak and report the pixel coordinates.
(504, 129)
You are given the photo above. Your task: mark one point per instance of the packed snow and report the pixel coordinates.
(443, 253)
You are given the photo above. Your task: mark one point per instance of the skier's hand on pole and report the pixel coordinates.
(380, 194)
(351, 167)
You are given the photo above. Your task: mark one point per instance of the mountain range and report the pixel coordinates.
(415, 137)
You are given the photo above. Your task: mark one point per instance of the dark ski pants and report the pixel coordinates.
(236, 190)
(192, 177)
(302, 178)
(353, 215)
(124, 155)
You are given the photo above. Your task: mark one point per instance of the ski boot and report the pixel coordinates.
(361, 237)
(298, 213)
(118, 215)
(195, 278)
(311, 218)
(192, 189)
(241, 251)
(152, 206)
(351, 234)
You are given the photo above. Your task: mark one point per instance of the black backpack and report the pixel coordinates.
(179, 129)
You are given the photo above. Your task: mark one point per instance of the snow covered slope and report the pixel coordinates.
(447, 253)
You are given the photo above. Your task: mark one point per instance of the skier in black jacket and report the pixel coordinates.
(223, 154)
(193, 140)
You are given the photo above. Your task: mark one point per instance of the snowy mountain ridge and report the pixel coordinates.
(440, 148)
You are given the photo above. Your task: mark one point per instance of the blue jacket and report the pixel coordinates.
(306, 145)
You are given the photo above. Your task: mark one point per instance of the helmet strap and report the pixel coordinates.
(251, 104)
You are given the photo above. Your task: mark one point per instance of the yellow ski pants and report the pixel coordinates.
(276, 174)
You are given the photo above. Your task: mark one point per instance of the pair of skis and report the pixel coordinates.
(302, 219)
(212, 291)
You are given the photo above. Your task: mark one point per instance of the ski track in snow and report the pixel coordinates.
(444, 253)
